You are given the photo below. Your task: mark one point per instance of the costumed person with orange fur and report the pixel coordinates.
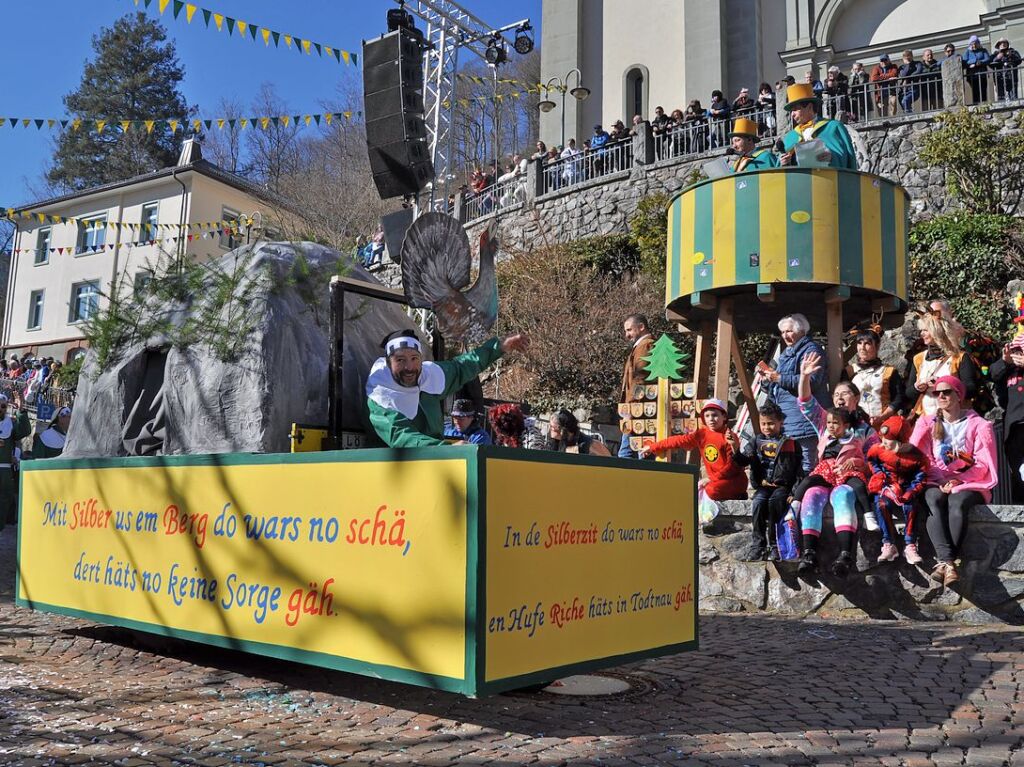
(898, 474)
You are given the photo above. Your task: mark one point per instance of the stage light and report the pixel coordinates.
(495, 53)
(524, 40)
(399, 18)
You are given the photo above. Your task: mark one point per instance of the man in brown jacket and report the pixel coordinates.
(635, 373)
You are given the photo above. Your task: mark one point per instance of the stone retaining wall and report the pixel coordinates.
(990, 588)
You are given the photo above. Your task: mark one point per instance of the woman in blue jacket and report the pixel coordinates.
(976, 61)
(785, 379)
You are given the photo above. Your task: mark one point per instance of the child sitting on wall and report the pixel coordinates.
(898, 472)
(775, 463)
(718, 447)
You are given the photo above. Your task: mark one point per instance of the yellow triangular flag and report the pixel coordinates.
(288, 40)
(174, 125)
(266, 36)
(305, 47)
(245, 123)
(100, 125)
(41, 217)
(286, 120)
(348, 115)
(344, 55)
(242, 26)
(163, 5)
(220, 123)
(51, 123)
(26, 121)
(264, 122)
(329, 117)
(329, 51)
(150, 125)
(197, 125)
(218, 19)
(125, 125)
(76, 124)
(308, 119)
(190, 11)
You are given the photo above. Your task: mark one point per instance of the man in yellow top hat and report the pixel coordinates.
(743, 140)
(808, 124)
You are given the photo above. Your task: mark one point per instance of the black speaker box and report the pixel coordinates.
(408, 179)
(393, 101)
(396, 128)
(394, 74)
(390, 47)
(387, 157)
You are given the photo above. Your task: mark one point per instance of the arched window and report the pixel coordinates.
(635, 87)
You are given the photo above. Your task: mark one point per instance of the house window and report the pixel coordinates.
(229, 232)
(147, 232)
(35, 310)
(85, 300)
(92, 234)
(43, 240)
(142, 281)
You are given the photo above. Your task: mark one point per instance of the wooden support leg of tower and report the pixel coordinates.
(723, 348)
(744, 379)
(834, 334)
(702, 359)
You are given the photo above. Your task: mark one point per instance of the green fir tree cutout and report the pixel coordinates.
(665, 360)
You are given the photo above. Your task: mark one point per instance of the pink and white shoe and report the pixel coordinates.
(889, 553)
(911, 554)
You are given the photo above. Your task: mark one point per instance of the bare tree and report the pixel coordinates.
(274, 152)
(223, 146)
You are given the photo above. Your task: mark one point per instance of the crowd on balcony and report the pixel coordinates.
(887, 89)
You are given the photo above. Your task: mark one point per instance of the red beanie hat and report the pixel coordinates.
(895, 427)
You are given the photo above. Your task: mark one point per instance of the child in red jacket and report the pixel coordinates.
(898, 474)
(718, 446)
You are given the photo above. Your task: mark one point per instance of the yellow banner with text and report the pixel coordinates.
(360, 560)
(600, 563)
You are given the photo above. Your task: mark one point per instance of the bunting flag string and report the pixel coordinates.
(530, 87)
(250, 31)
(136, 232)
(102, 124)
(45, 218)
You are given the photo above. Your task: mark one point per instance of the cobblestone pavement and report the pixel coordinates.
(760, 691)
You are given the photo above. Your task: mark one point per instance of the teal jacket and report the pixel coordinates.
(427, 428)
(759, 159)
(835, 136)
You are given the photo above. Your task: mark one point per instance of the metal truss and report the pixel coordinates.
(449, 28)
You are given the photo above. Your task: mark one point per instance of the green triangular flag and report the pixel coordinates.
(337, 55)
(208, 124)
(355, 59)
(317, 118)
(277, 38)
(39, 124)
(275, 120)
(231, 25)
(148, 3)
(253, 31)
(64, 123)
(178, 5)
(319, 52)
(232, 123)
(206, 16)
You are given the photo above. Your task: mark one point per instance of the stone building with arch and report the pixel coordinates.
(635, 56)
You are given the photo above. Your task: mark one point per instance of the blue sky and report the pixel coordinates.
(47, 42)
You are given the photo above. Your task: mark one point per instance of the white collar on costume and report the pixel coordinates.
(641, 338)
(53, 439)
(382, 388)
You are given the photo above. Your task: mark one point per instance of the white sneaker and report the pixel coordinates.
(912, 555)
(870, 522)
(889, 553)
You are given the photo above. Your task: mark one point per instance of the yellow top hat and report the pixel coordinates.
(744, 127)
(799, 94)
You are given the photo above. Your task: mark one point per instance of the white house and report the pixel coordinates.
(63, 265)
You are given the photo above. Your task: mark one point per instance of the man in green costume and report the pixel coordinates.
(11, 433)
(405, 394)
(743, 141)
(808, 124)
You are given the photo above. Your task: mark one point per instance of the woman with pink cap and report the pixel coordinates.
(961, 450)
(1007, 374)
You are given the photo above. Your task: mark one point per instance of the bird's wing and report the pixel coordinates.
(435, 259)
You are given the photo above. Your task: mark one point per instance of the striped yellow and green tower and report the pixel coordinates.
(788, 240)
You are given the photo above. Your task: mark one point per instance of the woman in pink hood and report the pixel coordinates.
(961, 450)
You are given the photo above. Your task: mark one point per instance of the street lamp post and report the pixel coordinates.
(562, 85)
